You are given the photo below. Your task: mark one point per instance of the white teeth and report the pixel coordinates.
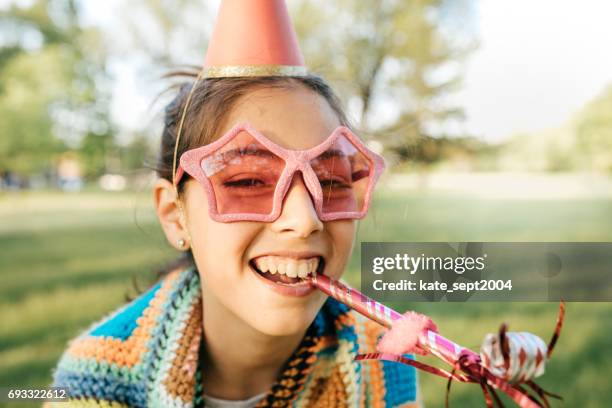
(303, 269)
(290, 267)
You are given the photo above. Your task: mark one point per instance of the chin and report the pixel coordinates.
(283, 323)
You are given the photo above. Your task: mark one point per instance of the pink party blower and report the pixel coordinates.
(416, 333)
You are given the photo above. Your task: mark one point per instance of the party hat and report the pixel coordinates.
(253, 38)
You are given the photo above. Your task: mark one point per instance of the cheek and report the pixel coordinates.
(342, 235)
(218, 248)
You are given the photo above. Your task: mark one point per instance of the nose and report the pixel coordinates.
(298, 215)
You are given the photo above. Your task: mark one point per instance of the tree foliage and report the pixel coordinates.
(391, 59)
(594, 132)
(583, 143)
(51, 95)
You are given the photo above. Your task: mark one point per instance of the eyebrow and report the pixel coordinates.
(239, 152)
(331, 153)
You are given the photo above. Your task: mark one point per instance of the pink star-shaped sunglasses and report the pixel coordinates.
(246, 176)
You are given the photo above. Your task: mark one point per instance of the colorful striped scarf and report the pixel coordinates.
(145, 354)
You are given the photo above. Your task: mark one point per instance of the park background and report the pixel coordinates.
(495, 116)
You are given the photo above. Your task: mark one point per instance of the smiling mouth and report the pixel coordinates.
(287, 271)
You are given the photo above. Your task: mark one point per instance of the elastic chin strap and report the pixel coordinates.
(179, 132)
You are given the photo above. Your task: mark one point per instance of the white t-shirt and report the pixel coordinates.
(210, 402)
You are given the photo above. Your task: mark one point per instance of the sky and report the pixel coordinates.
(538, 63)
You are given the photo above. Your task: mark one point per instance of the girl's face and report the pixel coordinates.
(231, 256)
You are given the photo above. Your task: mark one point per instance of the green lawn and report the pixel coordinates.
(59, 252)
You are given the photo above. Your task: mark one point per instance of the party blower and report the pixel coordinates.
(508, 361)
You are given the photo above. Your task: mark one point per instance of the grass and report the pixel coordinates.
(61, 251)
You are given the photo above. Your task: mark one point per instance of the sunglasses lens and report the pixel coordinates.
(243, 174)
(344, 174)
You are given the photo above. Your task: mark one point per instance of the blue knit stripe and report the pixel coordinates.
(121, 325)
(324, 323)
(400, 382)
(106, 387)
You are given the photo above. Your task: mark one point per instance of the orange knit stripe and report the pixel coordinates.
(347, 319)
(329, 392)
(372, 331)
(125, 352)
(180, 379)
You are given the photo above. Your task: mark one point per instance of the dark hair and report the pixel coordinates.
(211, 101)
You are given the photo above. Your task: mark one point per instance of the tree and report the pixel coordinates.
(51, 94)
(594, 132)
(388, 55)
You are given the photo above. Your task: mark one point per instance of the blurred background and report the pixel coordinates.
(496, 118)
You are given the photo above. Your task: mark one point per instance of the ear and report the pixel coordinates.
(170, 214)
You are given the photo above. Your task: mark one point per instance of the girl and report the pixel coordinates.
(260, 185)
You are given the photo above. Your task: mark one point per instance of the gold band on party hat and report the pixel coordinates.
(253, 38)
(254, 71)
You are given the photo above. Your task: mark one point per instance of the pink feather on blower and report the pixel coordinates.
(405, 333)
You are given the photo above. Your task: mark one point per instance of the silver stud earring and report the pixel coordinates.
(181, 243)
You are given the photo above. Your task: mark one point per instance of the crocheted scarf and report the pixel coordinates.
(145, 354)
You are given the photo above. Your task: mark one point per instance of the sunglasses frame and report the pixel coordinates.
(295, 160)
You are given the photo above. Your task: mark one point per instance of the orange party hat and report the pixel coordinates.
(253, 38)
